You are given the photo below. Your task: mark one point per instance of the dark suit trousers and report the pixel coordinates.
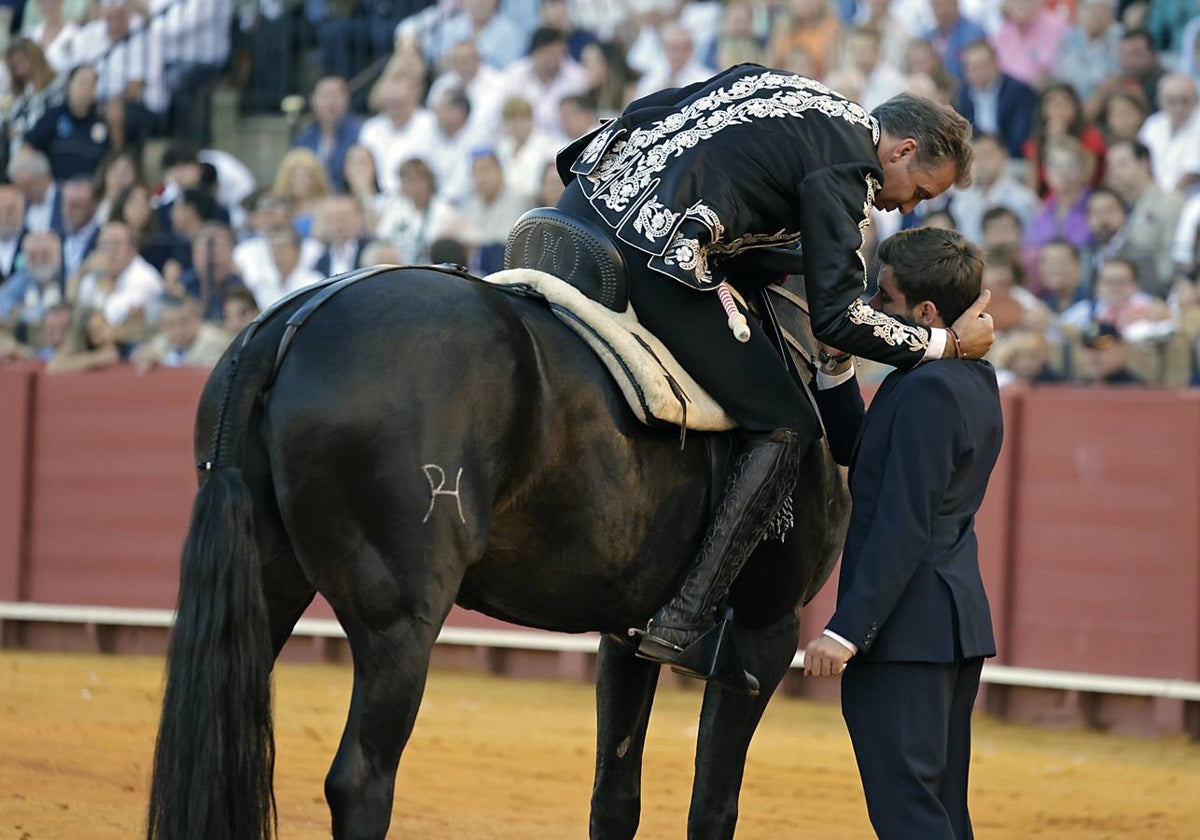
(910, 723)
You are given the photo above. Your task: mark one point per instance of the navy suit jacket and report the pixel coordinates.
(345, 137)
(910, 588)
(1016, 107)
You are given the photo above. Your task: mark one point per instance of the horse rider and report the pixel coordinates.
(689, 177)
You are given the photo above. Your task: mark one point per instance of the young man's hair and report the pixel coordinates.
(942, 134)
(937, 265)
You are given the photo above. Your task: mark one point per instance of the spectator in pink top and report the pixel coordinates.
(1028, 42)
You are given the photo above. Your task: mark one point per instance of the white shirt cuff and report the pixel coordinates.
(853, 648)
(825, 381)
(937, 343)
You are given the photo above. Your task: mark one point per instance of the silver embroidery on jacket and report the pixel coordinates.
(654, 220)
(887, 328)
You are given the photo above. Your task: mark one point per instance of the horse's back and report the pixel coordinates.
(464, 425)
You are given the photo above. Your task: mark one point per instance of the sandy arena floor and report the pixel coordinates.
(494, 758)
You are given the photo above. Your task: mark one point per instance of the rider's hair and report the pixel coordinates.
(941, 133)
(938, 265)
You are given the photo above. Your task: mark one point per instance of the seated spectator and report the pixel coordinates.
(399, 130)
(1029, 39)
(35, 85)
(284, 243)
(379, 252)
(489, 214)
(73, 136)
(582, 44)
(952, 34)
(1062, 276)
(415, 218)
(55, 36)
(300, 180)
(1122, 116)
(499, 39)
(681, 68)
(362, 182)
(342, 233)
(90, 344)
(193, 36)
(1185, 251)
(127, 56)
(993, 102)
(12, 229)
(880, 80)
(927, 75)
(811, 26)
(55, 327)
(1012, 305)
(1064, 212)
(1105, 359)
(332, 130)
(1139, 70)
(1060, 116)
(523, 150)
(1108, 238)
(115, 173)
(1023, 357)
(545, 77)
(116, 280)
(481, 82)
(29, 172)
(132, 207)
(80, 229)
(1120, 302)
(450, 153)
(252, 256)
(448, 250)
(551, 188)
(29, 294)
(578, 115)
(184, 339)
(1173, 134)
(213, 272)
(1088, 55)
(1154, 213)
(993, 186)
(238, 310)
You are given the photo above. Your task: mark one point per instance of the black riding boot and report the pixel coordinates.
(762, 479)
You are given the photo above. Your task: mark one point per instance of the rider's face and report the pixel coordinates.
(905, 185)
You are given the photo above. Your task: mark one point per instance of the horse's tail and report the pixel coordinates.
(215, 755)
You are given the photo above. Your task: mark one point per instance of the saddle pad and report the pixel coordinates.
(656, 387)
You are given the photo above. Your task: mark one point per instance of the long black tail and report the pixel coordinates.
(215, 755)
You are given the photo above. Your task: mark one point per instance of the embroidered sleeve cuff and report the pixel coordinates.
(850, 646)
(937, 344)
(826, 381)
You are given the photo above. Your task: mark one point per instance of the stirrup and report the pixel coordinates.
(712, 657)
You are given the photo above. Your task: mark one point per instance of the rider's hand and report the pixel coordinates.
(974, 330)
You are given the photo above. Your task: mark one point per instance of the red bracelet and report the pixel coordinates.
(958, 351)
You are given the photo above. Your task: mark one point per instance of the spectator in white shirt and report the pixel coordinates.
(183, 340)
(412, 220)
(481, 82)
(401, 129)
(450, 152)
(252, 257)
(29, 172)
(545, 77)
(117, 279)
(882, 81)
(490, 213)
(12, 229)
(285, 246)
(524, 150)
(681, 67)
(56, 36)
(340, 227)
(498, 37)
(993, 186)
(1173, 134)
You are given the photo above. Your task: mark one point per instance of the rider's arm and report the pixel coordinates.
(836, 208)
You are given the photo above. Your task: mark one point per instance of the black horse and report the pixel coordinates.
(430, 440)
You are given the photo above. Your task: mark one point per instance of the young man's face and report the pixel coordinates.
(889, 299)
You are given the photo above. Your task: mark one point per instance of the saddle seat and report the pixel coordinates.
(575, 267)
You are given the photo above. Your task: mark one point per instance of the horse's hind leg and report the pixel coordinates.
(624, 694)
(390, 638)
(727, 723)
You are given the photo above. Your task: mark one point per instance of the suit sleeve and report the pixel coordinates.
(842, 414)
(837, 201)
(923, 440)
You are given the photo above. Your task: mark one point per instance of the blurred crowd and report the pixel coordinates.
(430, 127)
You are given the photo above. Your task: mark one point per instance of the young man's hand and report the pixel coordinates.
(825, 657)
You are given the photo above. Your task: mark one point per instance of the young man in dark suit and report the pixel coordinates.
(912, 625)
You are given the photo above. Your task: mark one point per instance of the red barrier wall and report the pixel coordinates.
(1089, 535)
